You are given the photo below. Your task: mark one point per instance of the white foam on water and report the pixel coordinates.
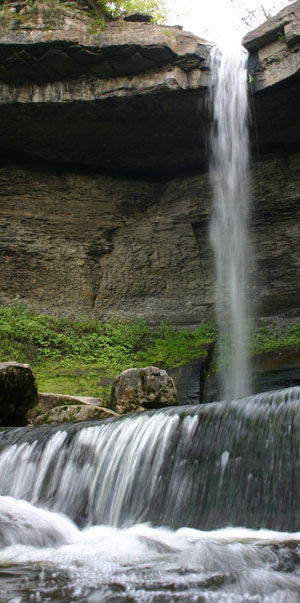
(230, 564)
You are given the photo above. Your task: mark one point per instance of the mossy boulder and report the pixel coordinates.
(138, 389)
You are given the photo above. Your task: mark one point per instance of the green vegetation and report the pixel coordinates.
(100, 10)
(80, 356)
(118, 8)
(269, 338)
(51, 10)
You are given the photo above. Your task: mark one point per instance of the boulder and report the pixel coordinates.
(18, 393)
(60, 408)
(70, 413)
(138, 389)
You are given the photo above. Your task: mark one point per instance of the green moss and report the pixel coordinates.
(52, 14)
(83, 355)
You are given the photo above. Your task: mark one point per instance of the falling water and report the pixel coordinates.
(229, 171)
(180, 466)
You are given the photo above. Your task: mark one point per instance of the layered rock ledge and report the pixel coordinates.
(124, 97)
(274, 65)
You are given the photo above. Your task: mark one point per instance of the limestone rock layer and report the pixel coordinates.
(74, 242)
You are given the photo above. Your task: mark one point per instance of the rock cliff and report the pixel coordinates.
(274, 62)
(122, 98)
(105, 199)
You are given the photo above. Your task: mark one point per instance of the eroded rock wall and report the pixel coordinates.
(80, 243)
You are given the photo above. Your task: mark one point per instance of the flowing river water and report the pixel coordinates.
(196, 503)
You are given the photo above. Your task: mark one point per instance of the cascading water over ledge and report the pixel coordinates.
(229, 463)
(208, 466)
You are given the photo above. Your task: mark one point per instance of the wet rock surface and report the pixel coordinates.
(18, 393)
(138, 389)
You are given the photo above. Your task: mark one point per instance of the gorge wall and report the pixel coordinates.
(105, 196)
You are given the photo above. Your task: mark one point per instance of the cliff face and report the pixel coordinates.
(123, 98)
(105, 199)
(274, 62)
(80, 243)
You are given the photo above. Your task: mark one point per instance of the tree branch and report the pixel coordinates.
(265, 12)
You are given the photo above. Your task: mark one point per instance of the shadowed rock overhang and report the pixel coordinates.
(132, 97)
(129, 97)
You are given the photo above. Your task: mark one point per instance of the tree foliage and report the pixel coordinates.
(118, 8)
(103, 9)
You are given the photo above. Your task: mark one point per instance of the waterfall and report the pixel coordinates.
(137, 508)
(178, 466)
(229, 172)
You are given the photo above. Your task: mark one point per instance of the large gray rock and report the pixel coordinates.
(274, 49)
(69, 414)
(18, 393)
(138, 389)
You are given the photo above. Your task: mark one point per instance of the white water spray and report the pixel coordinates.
(229, 171)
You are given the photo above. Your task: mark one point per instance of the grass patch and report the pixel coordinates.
(81, 356)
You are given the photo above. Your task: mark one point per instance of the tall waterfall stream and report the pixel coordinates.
(193, 504)
(229, 171)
